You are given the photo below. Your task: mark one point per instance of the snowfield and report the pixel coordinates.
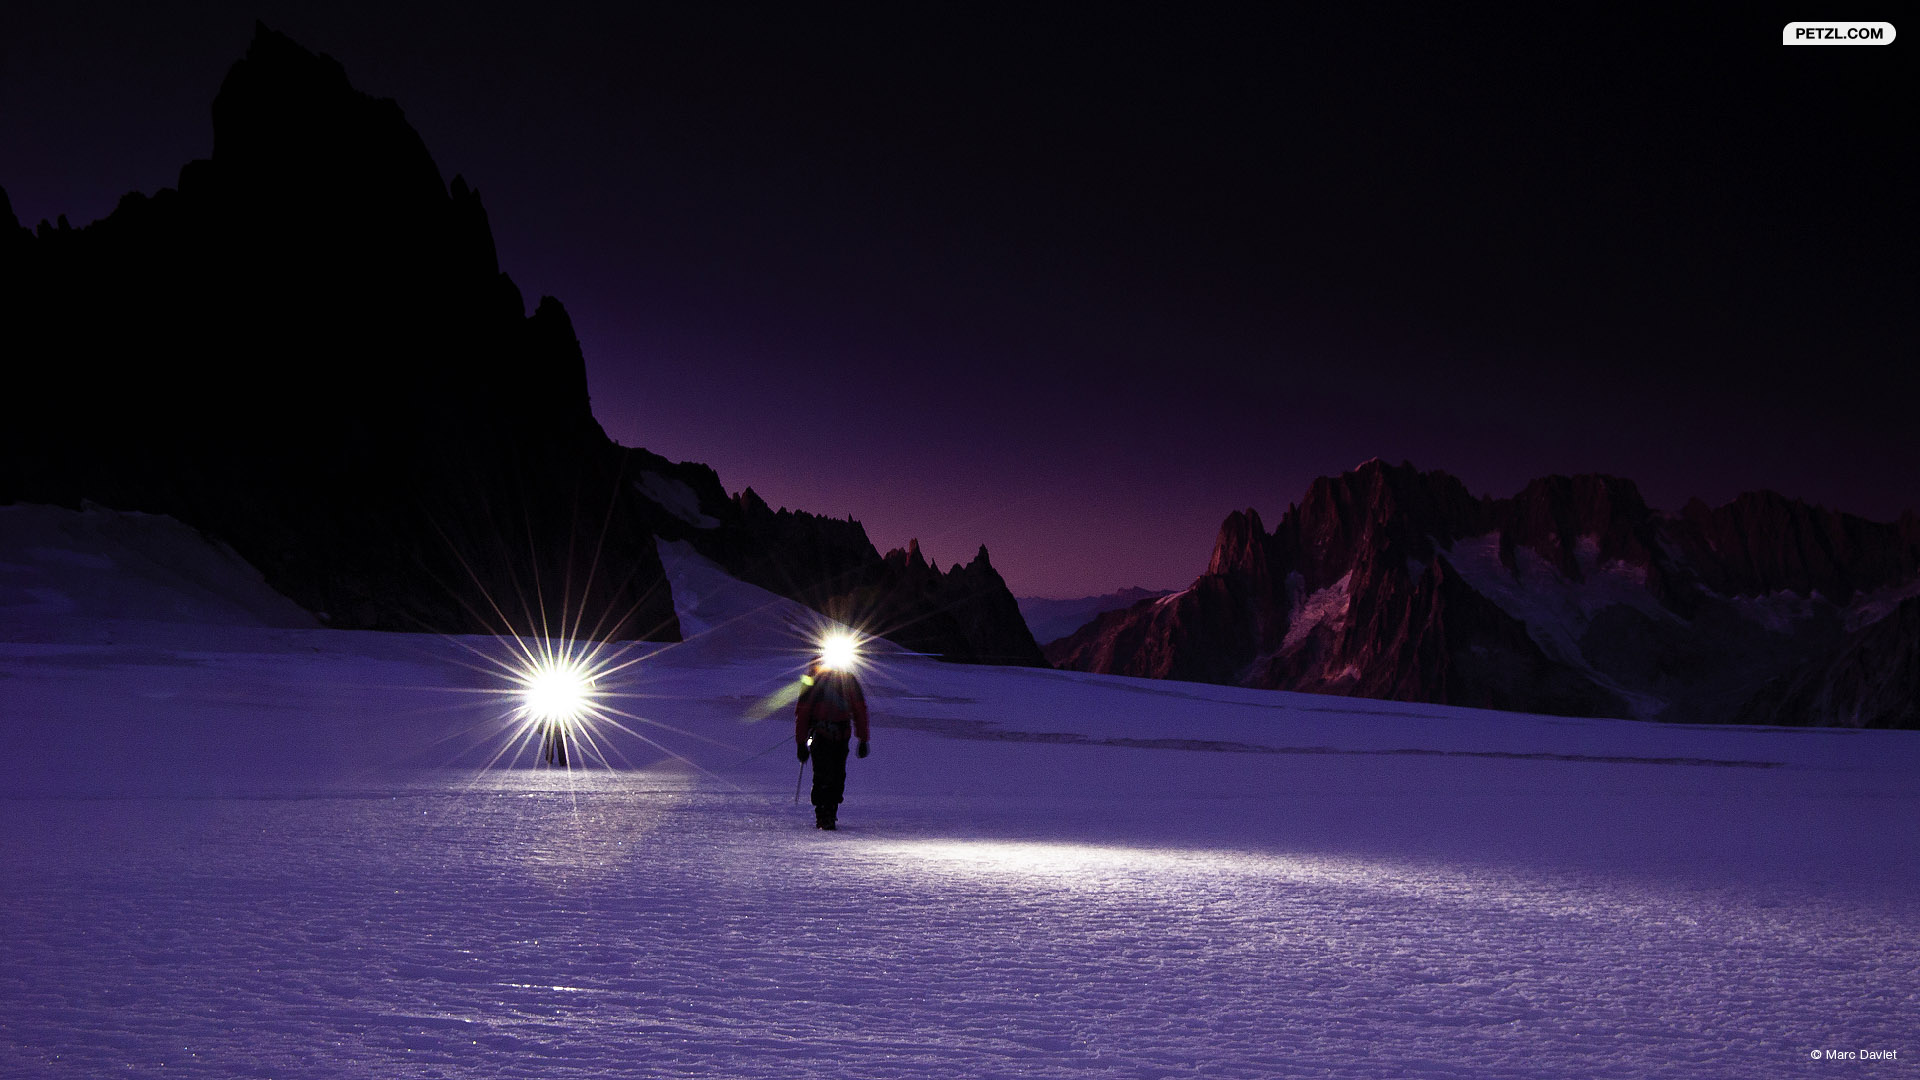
(239, 849)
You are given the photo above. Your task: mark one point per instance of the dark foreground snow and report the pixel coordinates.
(274, 852)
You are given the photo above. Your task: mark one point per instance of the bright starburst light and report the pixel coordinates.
(562, 696)
(570, 674)
(556, 690)
(839, 651)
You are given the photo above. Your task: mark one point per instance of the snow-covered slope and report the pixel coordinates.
(66, 569)
(283, 852)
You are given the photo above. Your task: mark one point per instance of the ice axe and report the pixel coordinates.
(798, 780)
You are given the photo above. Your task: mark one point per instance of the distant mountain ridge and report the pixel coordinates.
(1570, 597)
(308, 350)
(1052, 619)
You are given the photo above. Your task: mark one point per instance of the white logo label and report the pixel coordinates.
(1837, 33)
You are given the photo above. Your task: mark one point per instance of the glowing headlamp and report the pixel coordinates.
(559, 690)
(839, 651)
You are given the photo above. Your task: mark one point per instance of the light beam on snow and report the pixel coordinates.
(1055, 860)
(1054, 864)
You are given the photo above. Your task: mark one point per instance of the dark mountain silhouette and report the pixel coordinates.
(308, 350)
(1571, 597)
(965, 614)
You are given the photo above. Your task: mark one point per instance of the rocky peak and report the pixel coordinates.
(1374, 507)
(752, 505)
(1763, 542)
(289, 120)
(562, 392)
(965, 614)
(434, 414)
(1242, 545)
(910, 562)
(304, 164)
(980, 560)
(1388, 614)
(1551, 515)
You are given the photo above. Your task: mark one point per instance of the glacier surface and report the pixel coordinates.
(255, 850)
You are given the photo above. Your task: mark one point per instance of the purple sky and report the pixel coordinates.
(1075, 287)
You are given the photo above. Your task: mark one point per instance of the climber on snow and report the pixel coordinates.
(832, 710)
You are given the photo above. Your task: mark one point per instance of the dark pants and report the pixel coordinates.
(829, 777)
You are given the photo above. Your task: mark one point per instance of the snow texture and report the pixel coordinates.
(676, 498)
(259, 851)
(1328, 605)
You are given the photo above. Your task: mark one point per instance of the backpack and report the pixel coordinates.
(831, 718)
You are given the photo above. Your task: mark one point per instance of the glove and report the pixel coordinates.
(803, 752)
(862, 752)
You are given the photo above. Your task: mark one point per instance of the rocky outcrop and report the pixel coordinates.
(1553, 515)
(1433, 638)
(1870, 680)
(1197, 634)
(1571, 597)
(1377, 508)
(1762, 543)
(307, 349)
(966, 614)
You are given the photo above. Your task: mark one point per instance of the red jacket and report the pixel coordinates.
(833, 695)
